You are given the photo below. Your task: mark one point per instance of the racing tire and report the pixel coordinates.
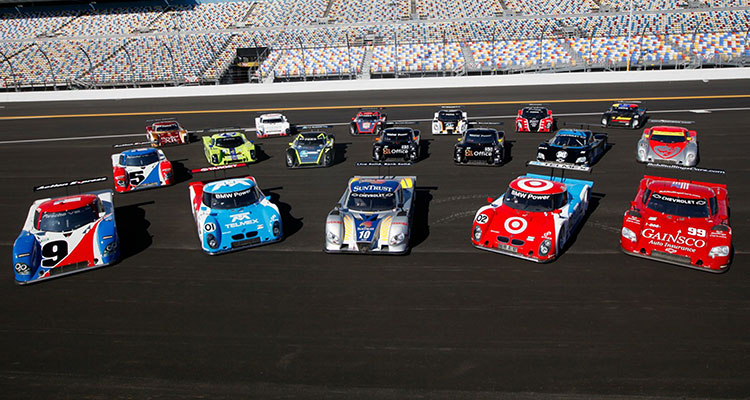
(328, 159)
(351, 130)
(604, 121)
(376, 155)
(291, 160)
(634, 123)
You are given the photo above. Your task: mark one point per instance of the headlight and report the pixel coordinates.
(628, 234)
(212, 242)
(580, 160)
(691, 156)
(121, 183)
(544, 247)
(719, 251)
(110, 248)
(477, 233)
(642, 153)
(540, 156)
(398, 239)
(276, 228)
(333, 238)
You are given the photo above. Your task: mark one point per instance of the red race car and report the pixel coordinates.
(533, 219)
(679, 222)
(367, 122)
(163, 132)
(535, 119)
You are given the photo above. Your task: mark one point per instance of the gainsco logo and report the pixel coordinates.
(676, 238)
(534, 185)
(515, 225)
(666, 151)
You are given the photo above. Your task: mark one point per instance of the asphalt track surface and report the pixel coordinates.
(447, 321)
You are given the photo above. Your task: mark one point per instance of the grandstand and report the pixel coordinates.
(176, 44)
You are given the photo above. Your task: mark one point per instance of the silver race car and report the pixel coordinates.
(668, 145)
(373, 216)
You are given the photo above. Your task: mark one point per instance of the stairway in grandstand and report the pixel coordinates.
(328, 8)
(695, 60)
(366, 62)
(469, 62)
(577, 58)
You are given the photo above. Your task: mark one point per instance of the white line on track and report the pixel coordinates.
(346, 123)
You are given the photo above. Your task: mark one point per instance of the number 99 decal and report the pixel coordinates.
(54, 252)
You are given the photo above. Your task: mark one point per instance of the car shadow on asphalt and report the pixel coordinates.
(424, 149)
(507, 151)
(181, 174)
(339, 152)
(289, 223)
(594, 200)
(420, 225)
(132, 229)
(260, 155)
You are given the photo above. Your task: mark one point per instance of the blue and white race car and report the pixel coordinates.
(141, 169)
(64, 235)
(233, 214)
(373, 216)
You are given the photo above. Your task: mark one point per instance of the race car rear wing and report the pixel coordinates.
(561, 166)
(313, 127)
(216, 169)
(168, 119)
(131, 144)
(683, 168)
(390, 124)
(669, 121)
(223, 130)
(472, 123)
(69, 184)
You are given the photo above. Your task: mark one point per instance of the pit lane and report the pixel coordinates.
(446, 321)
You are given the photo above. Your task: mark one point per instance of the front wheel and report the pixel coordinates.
(328, 158)
(376, 155)
(351, 130)
(604, 122)
(291, 160)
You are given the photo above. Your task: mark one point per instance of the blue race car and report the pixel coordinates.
(67, 234)
(233, 214)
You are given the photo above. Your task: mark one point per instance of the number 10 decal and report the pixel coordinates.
(54, 252)
(364, 235)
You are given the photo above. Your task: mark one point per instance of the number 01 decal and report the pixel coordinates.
(54, 252)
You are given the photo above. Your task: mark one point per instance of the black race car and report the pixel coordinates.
(480, 145)
(574, 147)
(400, 141)
(625, 114)
(535, 118)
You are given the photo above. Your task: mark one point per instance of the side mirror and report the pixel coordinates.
(268, 198)
(337, 206)
(291, 143)
(633, 204)
(557, 211)
(490, 199)
(458, 139)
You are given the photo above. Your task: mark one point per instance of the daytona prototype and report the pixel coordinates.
(679, 222)
(480, 146)
(228, 148)
(534, 219)
(367, 122)
(141, 169)
(626, 115)
(572, 146)
(397, 142)
(311, 149)
(450, 121)
(274, 124)
(668, 145)
(65, 235)
(373, 216)
(233, 214)
(164, 132)
(535, 119)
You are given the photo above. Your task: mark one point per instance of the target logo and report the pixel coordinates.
(515, 225)
(534, 185)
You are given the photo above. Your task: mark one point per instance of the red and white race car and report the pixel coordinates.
(535, 118)
(679, 222)
(141, 169)
(367, 122)
(163, 132)
(533, 219)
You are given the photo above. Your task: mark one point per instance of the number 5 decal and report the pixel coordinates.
(54, 252)
(136, 178)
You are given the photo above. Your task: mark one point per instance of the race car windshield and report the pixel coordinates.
(397, 137)
(139, 160)
(667, 138)
(533, 202)
(450, 116)
(66, 221)
(166, 128)
(231, 200)
(229, 142)
(311, 141)
(480, 138)
(568, 141)
(678, 206)
(534, 113)
(272, 121)
(367, 118)
(371, 201)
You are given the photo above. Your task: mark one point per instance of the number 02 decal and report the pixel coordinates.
(482, 218)
(54, 252)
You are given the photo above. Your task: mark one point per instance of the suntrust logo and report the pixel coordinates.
(674, 238)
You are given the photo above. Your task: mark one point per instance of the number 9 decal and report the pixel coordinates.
(54, 252)
(482, 218)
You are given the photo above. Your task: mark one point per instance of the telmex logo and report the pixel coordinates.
(240, 217)
(676, 238)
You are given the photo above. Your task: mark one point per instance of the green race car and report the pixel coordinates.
(310, 149)
(228, 148)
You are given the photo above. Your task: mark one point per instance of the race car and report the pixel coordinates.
(679, 222)
(450, 121)
(573, 146)
(228, 148)
(373, 216)
(398, 141)
(233, 214)
(625, 114)
(163, 132)
(534, 219)
(141, 169)
(535, 119)
(271, 125)
(64, 235)
(311, 149)
(668, 145)
(367, 122)
(480, 145)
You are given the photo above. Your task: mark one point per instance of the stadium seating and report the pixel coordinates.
(714, 47)
(427, 57)
(521, 53)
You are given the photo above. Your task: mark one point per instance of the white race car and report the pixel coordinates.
(271, 125)
(450, 121)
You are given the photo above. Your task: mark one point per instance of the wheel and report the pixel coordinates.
(376, 155)
(604, 121)
(634, 123)
(328, 158)
(351, 130)
(291, 160)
